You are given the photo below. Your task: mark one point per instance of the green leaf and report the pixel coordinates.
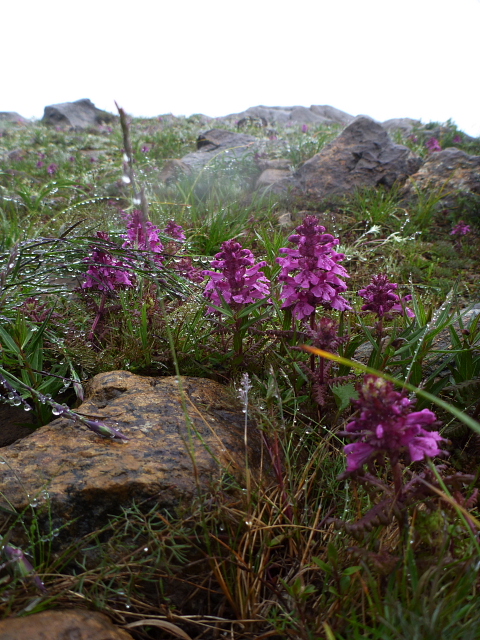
(344, 393)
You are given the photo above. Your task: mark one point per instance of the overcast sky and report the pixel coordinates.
(382, 58)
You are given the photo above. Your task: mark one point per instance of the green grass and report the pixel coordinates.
(271, 562)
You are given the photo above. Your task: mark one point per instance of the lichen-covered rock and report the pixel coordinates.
(184, 434)
(69, 624)
(363, 155)
(450, 173)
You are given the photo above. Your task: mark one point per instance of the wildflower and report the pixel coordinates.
(185, 268)
(21, 565)
(433, 144)
(143, 235)
(457, 139)
(105, 272)
(381, 300)
(310, 273)
(239, 280)
(52, 169)
(304, 128)
(175, 231)
(145, 149)
(387, 425)
(461, 229)
(40, 164)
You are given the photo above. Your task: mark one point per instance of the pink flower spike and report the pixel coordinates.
(382, 300)
(311, 273)
(239, 280)
(461, 229)
(386, 424)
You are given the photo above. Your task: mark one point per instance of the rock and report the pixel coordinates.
(316, 114)
(221, 144)
(269, 177)
(15, 424)
(12, 116)
(69, 624)
(80, 114)
(405, 125)
(84, 476)
(335, 115)
(450, 173)
(363, 155)
(173, 170)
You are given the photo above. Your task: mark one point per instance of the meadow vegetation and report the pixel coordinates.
(344, 337)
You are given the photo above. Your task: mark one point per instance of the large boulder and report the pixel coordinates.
(451, 174)
(68, 624)
(363, 155)
(81, 114)
(184, 435)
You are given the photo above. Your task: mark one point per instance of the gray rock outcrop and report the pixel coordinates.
(316, 114)
(12, 116)
(80, 114)
(363, 155)
(219, 144)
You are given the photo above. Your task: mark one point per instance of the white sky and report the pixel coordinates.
(382, 58)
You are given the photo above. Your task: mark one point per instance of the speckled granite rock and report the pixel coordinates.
(71, 624)
(85, 477)
(450, 173)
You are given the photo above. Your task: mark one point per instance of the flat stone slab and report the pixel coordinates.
(69, 624)
(184, 434)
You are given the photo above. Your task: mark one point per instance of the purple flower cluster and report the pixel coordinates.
(433, 144)
(105, 272)
(387, 425)
(175, 231)
(238, 279)
(381, 300)
(311, 273)
(461, 229)
(143, 235)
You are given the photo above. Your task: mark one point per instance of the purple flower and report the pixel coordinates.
(381, 300)
(175, 231)
(145, 149)
(387, 425)
(310, 273)
(457, 139)
(52, 169)
(433, 144)
(22, 565)
(40, 164)
(103, 429)
(143, 235)
(185, 268)
(461, 229)
(105, 272)
(304, 128)
(239, 280)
